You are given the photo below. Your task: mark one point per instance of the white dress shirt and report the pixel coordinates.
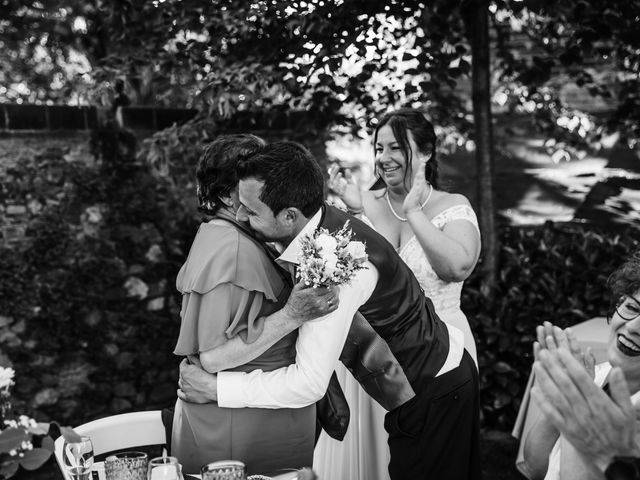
(318, 348)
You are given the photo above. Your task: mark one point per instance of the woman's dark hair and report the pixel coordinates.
(625, 280)
(216, 172)
(291, 176)
(412, 120)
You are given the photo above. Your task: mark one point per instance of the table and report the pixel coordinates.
(99, 468)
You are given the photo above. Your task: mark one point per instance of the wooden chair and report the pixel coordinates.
(117, 432)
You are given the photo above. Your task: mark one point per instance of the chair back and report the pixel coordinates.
(117, 432)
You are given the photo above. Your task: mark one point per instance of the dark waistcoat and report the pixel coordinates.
(400, 314)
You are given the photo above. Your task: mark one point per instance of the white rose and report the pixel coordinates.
(135, 287)
(93, 214)
(357, 250)
(331, 264)
(154, 254)
(326, 244)
(6, 377)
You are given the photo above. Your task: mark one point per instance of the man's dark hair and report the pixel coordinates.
(216, 172)
(291, 176)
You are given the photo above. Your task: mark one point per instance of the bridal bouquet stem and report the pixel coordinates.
(328, 259)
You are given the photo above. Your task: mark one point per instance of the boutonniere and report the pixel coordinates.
(328, 259)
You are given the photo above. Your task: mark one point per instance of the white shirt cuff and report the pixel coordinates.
(231, 389)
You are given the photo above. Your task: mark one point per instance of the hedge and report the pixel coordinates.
(88, 308)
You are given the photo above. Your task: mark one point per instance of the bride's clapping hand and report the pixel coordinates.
(419, 189)
(345, 187)
(550, 337)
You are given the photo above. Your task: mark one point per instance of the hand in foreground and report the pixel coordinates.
(419, 189)
(196, 385)
(345, 187)
(306, 304)
(596, 425)
(550, 337)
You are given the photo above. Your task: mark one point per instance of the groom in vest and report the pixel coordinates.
(433, 434)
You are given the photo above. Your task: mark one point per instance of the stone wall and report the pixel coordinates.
(29, 180)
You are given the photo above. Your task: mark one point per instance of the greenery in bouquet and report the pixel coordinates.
(330, 258)
(23, 441)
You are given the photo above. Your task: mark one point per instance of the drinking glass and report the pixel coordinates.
(78, 458)
(164, 468)
(224, 470)
(126, 466)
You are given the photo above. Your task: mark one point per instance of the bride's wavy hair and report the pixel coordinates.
(412, 120)
(625, 280)
(216, 172)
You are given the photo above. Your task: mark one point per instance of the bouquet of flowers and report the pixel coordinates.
(328, 259)
(23, 441)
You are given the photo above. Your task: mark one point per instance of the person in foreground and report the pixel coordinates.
(436, 234)
(432, 434)
(552, 454)
(232, 290)
(602, 428)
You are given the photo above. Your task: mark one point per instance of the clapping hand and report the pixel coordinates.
(345, 187)
(550, 337)
(306, 304)
(598, 426)
(419, 188)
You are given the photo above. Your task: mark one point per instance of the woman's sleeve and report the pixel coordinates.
(457, 212)
(210, 319)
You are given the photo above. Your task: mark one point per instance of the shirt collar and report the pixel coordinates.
(293, 250)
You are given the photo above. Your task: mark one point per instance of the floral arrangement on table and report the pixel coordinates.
(328, 259)
(23, 441)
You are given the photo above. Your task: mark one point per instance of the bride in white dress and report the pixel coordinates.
(436, 234)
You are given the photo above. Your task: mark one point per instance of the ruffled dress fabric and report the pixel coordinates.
(228, 285)
(364, 452)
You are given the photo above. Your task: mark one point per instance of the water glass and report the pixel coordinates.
(224, 470)
(126, 466)
(78, 458)
(164, 468)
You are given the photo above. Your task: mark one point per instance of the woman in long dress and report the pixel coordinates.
(229, 285)
(436, 233)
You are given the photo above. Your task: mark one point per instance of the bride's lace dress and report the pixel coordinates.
(364, 452)
(444, 295)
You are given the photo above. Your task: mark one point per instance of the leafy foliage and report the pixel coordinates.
(23, 442)
(344, 61)
(93, 282)
(553, 273)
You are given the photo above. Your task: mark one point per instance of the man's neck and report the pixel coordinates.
(299, 225)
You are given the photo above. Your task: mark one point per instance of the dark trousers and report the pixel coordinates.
(436, 434)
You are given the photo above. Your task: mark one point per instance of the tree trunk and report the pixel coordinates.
(476, 15)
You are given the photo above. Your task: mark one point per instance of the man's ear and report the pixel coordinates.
(290, 215)
(226, 200)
